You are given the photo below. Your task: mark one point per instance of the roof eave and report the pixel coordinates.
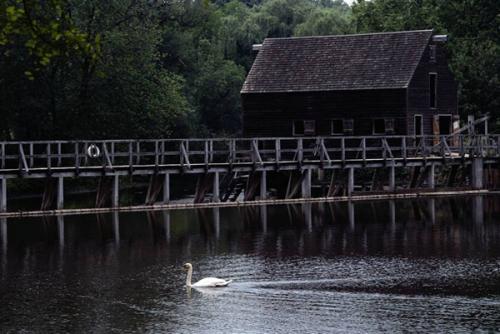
(321, 90)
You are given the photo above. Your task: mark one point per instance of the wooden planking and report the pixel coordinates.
(273, 114)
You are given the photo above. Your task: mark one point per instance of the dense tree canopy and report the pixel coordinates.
(142, 68)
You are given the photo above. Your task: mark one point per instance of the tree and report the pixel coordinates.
(325, 22)
(44, 30)
(122, 92)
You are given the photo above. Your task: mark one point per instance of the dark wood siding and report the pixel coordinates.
(419, 94)
(272, 114)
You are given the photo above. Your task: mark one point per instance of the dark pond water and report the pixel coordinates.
(428, 265)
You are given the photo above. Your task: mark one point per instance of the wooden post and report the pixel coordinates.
(60, 192)
(300, 150)
(31, 157)
(216, 187)
(431, 178)
(470, 124)
(277, 151)
(392, 177)
(306, 184)
(263, 185)
(166, 188)
(350, 181)
(3, 194)
(115, 195)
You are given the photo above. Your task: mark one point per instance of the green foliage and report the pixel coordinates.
(141, 68)
(45, 30)
(325, 22)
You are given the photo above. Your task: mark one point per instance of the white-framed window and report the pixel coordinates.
(433, 90)
(341, 126)
(304, 127)
(383, 126)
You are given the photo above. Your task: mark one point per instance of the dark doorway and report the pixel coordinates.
(444, 125)
(418, 125)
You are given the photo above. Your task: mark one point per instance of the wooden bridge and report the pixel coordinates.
(231, 167)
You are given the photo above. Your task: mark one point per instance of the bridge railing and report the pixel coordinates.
(26, 156)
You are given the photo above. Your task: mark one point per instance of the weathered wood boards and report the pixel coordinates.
(228, 167)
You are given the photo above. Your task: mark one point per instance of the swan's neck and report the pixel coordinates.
(188, 277)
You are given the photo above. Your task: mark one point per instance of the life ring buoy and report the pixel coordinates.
(93, 151)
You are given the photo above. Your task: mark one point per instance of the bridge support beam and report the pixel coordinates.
(306, 184)
(115, 193)
(350, 181)
(166, 188)
(477, 173)
(263, 185)
(3, 194)
(216, 191)
(392, 178)
(3, 234)
(431, 177)
(60, 193)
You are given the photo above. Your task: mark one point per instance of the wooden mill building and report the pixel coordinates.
(395, 83)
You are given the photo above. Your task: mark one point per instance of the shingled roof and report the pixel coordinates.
(343, 62)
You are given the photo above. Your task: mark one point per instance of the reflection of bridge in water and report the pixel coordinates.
(350, 218)
(229, 168)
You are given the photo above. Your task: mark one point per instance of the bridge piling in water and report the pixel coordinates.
(60, 192)
(3, 194)
(306, 184)
(431, 177)
(166, 188)
(392, 178)
(115, 194)
(350, 181)
(263, 185)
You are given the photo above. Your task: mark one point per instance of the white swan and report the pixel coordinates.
(208, 282)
